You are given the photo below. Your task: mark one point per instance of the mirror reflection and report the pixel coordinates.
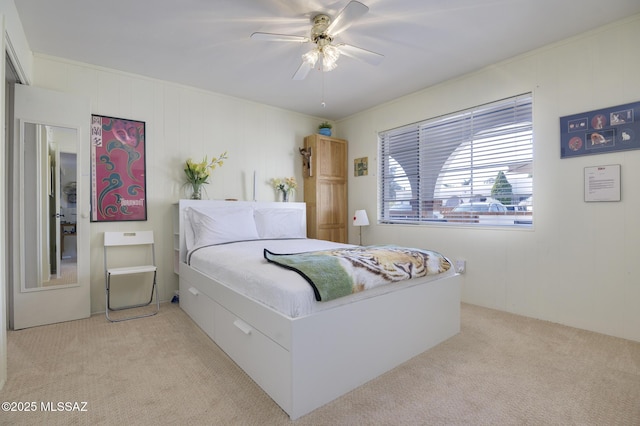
(50, 165)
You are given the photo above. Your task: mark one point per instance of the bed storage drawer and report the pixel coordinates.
(266, 362)
(198, 306)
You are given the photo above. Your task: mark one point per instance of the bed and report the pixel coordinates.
(302, 352)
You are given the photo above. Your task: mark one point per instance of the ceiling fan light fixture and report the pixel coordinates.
(311, 57)
(328, 65)
(323, 31)
(330, 55)
(331, 52)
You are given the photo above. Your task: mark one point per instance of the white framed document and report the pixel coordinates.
(602, 183)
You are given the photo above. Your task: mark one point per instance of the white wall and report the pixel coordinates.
(579, 265)
(182, 122)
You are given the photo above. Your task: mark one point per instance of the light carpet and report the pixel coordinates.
(502, 369)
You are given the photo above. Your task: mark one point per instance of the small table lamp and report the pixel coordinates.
(360, 219)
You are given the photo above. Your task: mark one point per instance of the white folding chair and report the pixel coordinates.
(144, 239)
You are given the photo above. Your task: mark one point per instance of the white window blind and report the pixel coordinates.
(473, 167)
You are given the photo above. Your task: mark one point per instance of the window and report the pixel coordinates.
(473, 167)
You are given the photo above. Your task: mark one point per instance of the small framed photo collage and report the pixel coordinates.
(600, 131)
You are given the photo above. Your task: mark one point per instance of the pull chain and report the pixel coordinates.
(322, 99)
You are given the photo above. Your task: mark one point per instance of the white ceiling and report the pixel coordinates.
(207, 44)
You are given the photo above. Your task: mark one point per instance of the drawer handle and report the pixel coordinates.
(194, 291)
(243, 326)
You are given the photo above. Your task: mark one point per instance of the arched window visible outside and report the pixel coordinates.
(472, 167)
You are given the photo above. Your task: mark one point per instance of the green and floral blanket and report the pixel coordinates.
(339, 272)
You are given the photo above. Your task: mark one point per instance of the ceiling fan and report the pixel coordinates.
(323, 32)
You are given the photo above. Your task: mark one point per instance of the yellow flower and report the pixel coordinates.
(198, 173)
(291, 182)
(287, 184)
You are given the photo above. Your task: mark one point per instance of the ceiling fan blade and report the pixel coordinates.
(361, 54)
(302, 71)
(347, 16)
(279, 37)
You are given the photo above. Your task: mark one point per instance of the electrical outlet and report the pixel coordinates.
(461, 266)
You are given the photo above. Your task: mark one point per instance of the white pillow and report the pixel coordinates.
(189, 235)
(222, 226)
(189, 238)
(280, 223)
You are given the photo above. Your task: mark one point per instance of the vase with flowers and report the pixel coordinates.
(284, 186)
(198, 173)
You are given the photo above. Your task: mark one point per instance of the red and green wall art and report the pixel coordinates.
(118, 171)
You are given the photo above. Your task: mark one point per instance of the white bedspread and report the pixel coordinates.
(242, 266)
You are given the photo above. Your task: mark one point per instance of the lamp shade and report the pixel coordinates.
(360, 218)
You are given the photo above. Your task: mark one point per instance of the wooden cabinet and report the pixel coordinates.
(325, 188)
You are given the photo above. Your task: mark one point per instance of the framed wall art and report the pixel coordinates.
(599, 131)
(118, 170)
(361, 166)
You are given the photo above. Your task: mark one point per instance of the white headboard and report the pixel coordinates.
(213, 204)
